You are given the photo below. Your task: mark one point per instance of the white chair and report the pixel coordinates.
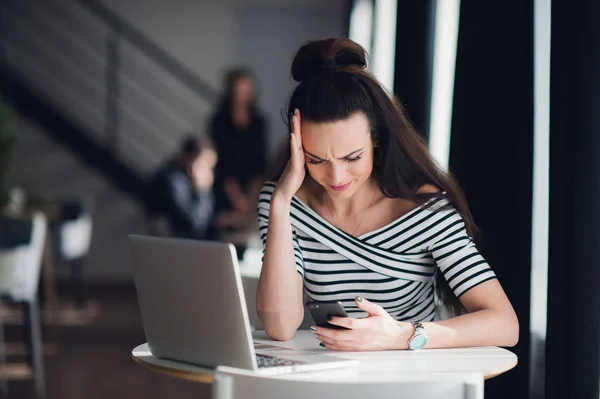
(241, 384)
(20, 269)
(74, 238)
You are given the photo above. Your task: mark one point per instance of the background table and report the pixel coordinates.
(374, 366)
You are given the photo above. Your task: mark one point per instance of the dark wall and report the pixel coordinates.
(573, 331)
(491, 152)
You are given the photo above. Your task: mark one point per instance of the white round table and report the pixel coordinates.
(373, 366)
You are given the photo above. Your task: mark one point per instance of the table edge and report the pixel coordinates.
(208, 376)
(502, 371)
(204, 377)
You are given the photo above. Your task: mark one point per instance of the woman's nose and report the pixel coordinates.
(336, 174)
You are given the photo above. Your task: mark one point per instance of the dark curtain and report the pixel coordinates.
(414, 59)
(573, 330)
(491, 152)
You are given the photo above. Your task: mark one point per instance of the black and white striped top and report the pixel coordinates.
(392, 266)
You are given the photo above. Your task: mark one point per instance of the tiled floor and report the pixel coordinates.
(94, 361)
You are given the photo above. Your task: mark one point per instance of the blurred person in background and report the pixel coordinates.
(238, 130)
(181, 190)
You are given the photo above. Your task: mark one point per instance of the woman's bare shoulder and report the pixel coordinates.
(307, 191)
(428, 189)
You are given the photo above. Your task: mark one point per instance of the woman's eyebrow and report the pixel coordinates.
(345, 156)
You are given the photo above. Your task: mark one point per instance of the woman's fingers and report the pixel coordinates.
(296, 137)
(335, 342)
(293, 146)
(296, 128)
(341, 348)
(296, 143)
(294, 173)
(349, 322)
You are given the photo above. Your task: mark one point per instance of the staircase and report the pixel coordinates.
(99, 86)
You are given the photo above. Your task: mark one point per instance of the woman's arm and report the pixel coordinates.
(491, 321)
(279, 295)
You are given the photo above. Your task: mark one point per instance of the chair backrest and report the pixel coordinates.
(238, 384)
(75, 230)
(76, 236)
(20, 266)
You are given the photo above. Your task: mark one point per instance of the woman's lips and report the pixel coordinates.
(341, 188)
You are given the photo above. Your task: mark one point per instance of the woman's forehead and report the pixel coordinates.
(336, 138)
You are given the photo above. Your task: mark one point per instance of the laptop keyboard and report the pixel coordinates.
(272, 361)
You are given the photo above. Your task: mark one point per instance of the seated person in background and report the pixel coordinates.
(182, 190)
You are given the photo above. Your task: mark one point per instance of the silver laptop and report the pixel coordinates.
(193, 309)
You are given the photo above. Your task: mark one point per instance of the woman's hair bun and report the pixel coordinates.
(331, 54)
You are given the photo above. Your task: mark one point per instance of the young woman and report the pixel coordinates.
(238, 129)
(361, 214)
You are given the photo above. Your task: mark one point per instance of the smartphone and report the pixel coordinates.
(321, 310)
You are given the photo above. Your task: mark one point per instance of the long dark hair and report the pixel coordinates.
(230, 79)
(333, 85)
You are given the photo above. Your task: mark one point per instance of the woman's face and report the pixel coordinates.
(339, 155)
(243, 90)
(201, 168)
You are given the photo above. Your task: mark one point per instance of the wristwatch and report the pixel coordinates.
(419, 338)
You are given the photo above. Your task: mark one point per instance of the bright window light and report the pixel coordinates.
(384, 43)
(541, 183)
(361, 23)
(447, 17)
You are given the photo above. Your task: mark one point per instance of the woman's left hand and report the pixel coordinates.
(231, 219)
(379, 331)
(236, 195)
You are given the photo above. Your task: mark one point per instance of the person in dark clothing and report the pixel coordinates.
(238, 130)
(181, 190)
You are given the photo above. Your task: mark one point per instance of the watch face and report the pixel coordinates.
(418, 342)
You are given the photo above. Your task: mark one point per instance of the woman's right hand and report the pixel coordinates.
(293, 174)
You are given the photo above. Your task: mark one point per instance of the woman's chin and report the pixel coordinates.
(342, 192)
